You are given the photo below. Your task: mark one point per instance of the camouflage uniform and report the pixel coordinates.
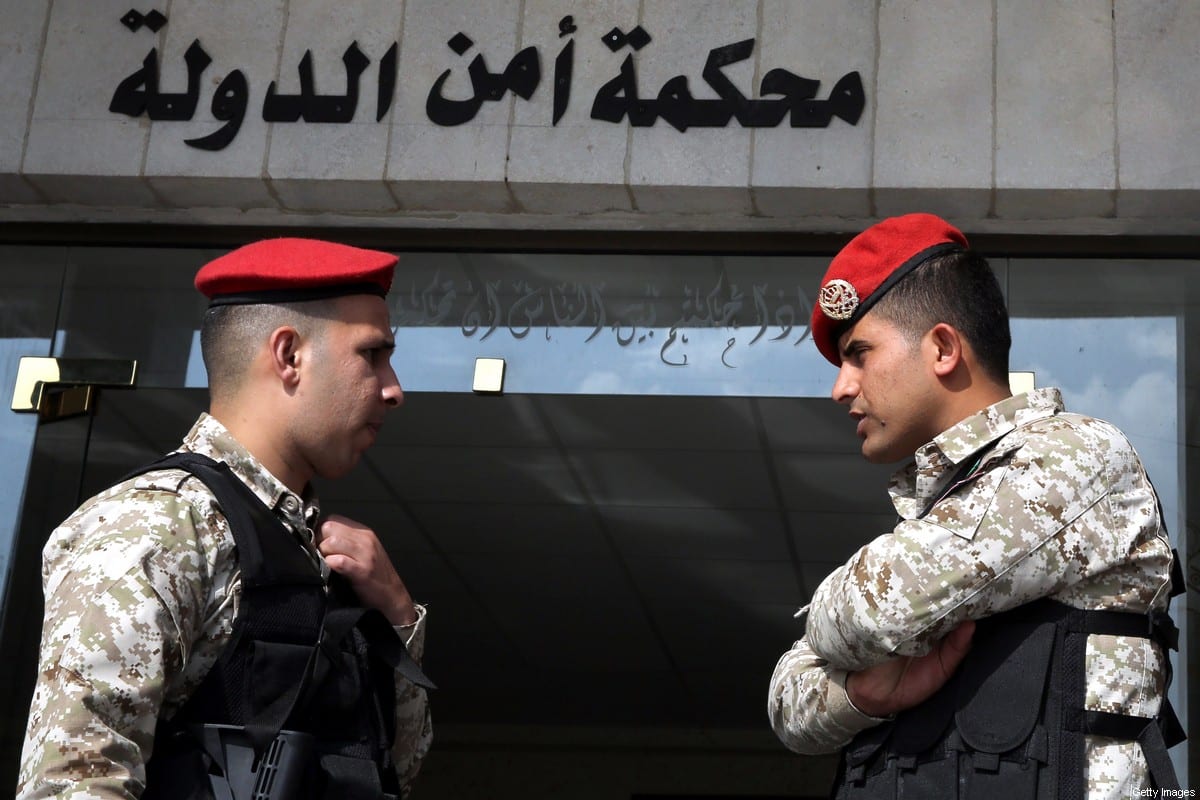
(142, 587)
(1061, 507)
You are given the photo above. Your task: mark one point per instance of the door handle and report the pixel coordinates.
(56, 388)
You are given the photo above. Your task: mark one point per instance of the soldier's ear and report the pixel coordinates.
(286, 354)
(946, 347)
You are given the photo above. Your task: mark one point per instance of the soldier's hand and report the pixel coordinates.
(907, 681)
(354, 551)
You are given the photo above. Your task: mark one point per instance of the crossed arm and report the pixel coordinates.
(887, 628)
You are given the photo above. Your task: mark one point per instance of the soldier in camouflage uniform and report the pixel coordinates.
(1008, 500)
(142, 582)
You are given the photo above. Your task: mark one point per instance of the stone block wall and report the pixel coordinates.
(1025, 117)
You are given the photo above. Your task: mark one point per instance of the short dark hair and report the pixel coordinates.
(960, 290)
(231, 334)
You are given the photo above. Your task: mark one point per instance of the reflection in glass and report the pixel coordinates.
(1125, 370)
(32, 280)
(693, 325)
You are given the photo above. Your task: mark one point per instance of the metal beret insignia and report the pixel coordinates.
(838, 299)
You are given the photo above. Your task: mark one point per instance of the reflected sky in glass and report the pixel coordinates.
(16, 445)
(1121, 369)
(657, 361)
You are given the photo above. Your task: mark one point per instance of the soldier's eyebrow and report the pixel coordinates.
(384, 342)
(850, 346)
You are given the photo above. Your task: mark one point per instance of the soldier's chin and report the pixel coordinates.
(880, 455)
(334, 471)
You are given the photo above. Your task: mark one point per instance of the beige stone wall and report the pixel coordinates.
(1022, 116)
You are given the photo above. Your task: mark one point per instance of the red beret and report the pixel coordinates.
(291, 270)
(870, 265)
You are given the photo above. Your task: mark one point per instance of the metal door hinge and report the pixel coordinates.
(57, 388)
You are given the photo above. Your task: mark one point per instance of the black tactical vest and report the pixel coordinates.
(301, 702)
(1010, 723)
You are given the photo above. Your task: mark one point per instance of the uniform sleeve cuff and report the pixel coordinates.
(413, 634)
(843, 710)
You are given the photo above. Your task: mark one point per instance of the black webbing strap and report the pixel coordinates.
(238, 503)
(1154, 735)
(1072, 751)
(1156, 625)
(221, 481)
(1147, 732)
(381, 636)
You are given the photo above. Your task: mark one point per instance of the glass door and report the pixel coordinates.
(611, 548)
(54, 485)
(95, 306)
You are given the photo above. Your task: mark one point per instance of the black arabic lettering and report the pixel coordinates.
(431, 307)
(521, 77)
(130, 95)
(806, 310)
(616, 100)
(625, 341)
(436, 314)
(785, 318)
(634, 316)
(139, 94)
(176, 107)
(572, 304)
(387, 82)
(712, 311)
(845, 101)
(694, 319)
(313, 107)
(662, 353)
(760, 311)
(728, 346)
(473, 319)
(530, 305)
(619, 98)
(724, 314)
(229, 106)
(563, 67)
(599, 312)
(749, 113)
(568, 316)
(680, 109)
(289, 108)
(340, 108)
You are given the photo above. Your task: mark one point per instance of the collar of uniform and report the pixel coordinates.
(979, 430)
(915, 484)
(210, 438)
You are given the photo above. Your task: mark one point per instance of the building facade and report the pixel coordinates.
(629, 204)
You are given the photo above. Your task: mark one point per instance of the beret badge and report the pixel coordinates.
(838, 299)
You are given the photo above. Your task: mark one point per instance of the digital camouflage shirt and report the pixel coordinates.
(141, 586)
(1060, 507)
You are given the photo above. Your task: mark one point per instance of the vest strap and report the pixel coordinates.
(1012, 721)
(301, 650)
(384, 640)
